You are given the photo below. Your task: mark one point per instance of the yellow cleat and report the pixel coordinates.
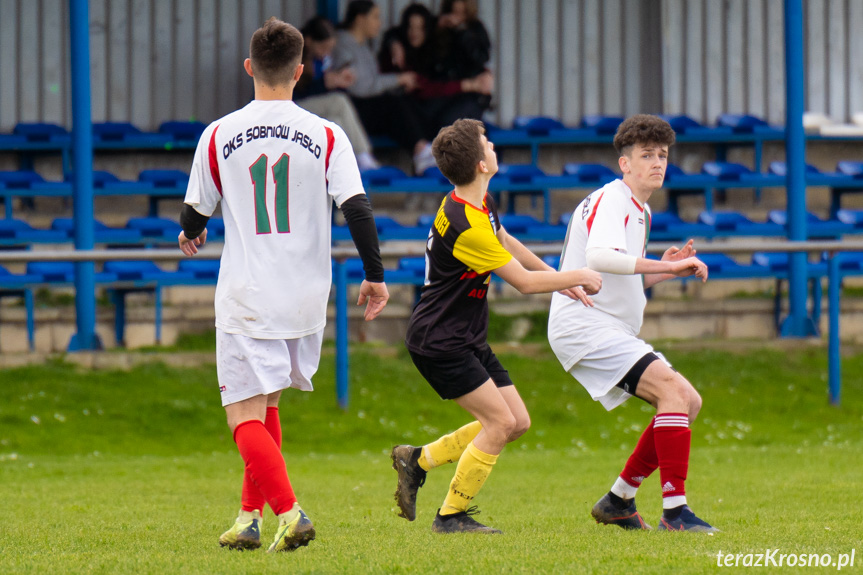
(295, 530)
(246, 532)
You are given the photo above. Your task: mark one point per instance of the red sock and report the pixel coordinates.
(643, 460)
(252, 497)
(265, 465)
(672, 436)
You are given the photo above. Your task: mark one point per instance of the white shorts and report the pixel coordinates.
(248, 367)
(601, 370)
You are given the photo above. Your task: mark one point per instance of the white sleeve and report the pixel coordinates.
(205, 186)
(343, 175)
(610, 261)
(607, 224)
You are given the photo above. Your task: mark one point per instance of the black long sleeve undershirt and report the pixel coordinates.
(361, 223)
(192, 222)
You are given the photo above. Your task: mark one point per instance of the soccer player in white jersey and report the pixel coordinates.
(276, 169)
(599, 345)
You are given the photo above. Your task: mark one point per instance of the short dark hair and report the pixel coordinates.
(457, 150)
(356, 8)
(318, 29)
(642, 129)
(275, 50)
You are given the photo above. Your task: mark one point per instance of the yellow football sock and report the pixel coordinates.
(449, 447)
(473, 468)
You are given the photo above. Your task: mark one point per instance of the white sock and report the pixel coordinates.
(673, 501)
(623, 489)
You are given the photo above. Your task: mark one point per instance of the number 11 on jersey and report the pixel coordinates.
(281, 172)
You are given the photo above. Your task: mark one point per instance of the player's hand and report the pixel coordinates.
(690, 267)
(190, 247)
(674, 254)
(577, 293)
(591, 281)
(376, 295)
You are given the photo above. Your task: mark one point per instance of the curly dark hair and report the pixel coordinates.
(642, 129)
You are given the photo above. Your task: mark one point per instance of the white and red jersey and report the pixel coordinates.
(276, 169)
(610, 217)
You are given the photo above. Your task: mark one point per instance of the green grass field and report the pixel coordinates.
(136, 472)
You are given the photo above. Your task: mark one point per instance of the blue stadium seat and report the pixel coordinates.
(590, 175)
(8, 279)
(603, 125)
(119, 135)
(667, 226)
(816, 228)
(63, 272)
(19, 232)
(687, 129)
(850, 168)
(425, 221)
(553, 260)
(747, 124)
(166, 179)
(183, 134)
(518, 173)
(537, 125)
(390, 229)
(433, 173)
(851, 217)
(216, 229)
(778, 264)
(43, 133)
(161, 229)
(200, 269)
(678, 183)
(145, 271)
(383, 176)
(518, 223)
(102, 233)
(736, 224)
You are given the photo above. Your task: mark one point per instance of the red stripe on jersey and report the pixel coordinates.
(626, 220)
(593, 214)
(331, 141)
(214, 162)
(637, 205)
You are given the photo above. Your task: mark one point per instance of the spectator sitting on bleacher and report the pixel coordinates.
(313, 91)
(463, 44)
(410, 46)
(379, 98)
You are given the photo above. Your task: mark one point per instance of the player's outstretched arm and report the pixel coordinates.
(527, 281)
(531, 261)
(375, 296)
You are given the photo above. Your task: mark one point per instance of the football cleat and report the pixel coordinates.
(461, 522)
(293, 534)
(411, 478)
(246, 532)
(686, 521)
(608, 513)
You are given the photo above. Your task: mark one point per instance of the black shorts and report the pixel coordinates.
(454, 376)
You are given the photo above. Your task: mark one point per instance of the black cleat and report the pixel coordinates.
(411, 478)
(605, 511)
(686, 521)
(461, 522)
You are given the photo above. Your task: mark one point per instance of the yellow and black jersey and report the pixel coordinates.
(462, 250)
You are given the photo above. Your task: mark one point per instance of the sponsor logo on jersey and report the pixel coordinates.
(222, 389)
